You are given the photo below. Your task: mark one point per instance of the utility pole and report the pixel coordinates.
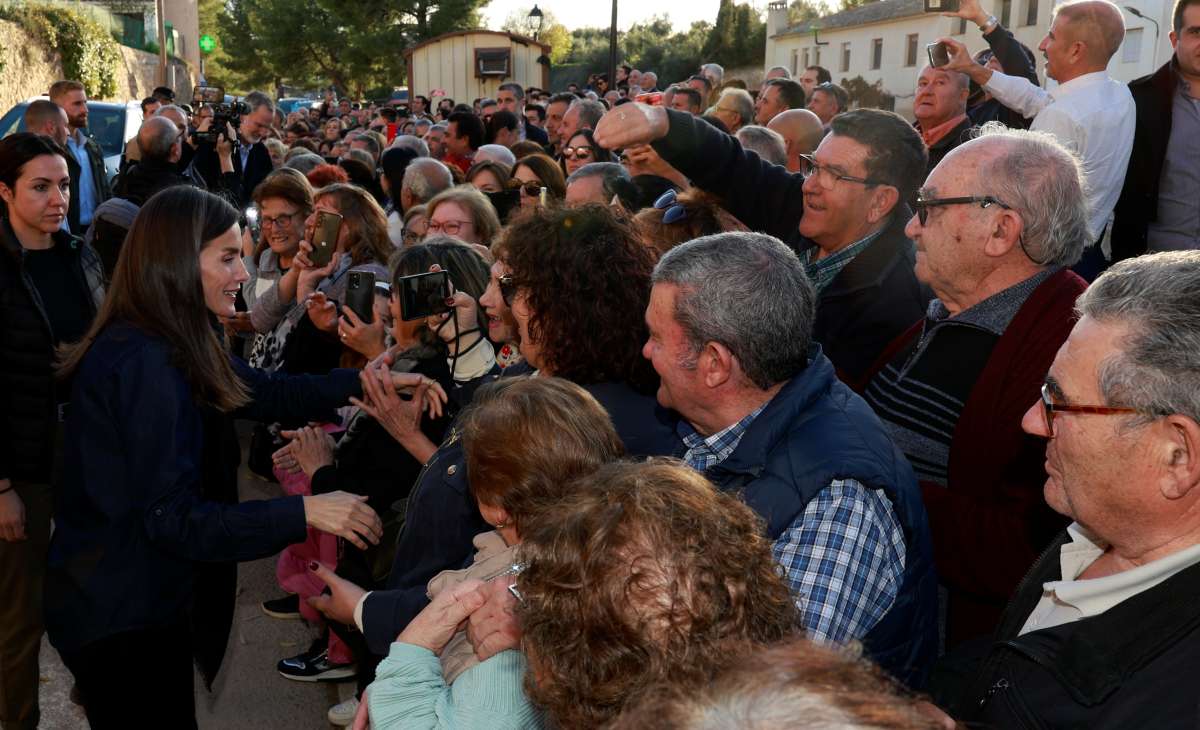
(162, 44)
(612, 49)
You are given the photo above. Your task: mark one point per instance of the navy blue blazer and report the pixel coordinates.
(147, 518)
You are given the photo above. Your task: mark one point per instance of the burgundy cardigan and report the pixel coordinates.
(991, 522)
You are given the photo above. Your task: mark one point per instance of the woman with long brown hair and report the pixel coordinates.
(141, 571)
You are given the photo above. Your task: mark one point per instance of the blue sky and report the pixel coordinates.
(587, 13)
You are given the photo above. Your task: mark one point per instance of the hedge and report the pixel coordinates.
(89, 53)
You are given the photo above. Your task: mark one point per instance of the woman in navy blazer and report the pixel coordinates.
(142, 569)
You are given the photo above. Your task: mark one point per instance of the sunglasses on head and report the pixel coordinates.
(669, 203)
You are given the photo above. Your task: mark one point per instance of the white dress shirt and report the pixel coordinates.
(1093, 116)
(1070, 599)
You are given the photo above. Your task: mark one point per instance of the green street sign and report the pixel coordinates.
(207, 43)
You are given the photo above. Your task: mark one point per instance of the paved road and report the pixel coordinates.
(249, 693)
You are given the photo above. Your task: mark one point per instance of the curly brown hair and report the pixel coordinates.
(770, 687)
(525, 439)
(586, 276)
(642, 573)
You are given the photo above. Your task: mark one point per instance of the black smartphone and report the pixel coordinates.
(941, 6)
(325, 237)
(360, 295)
(422, 295)
(939, 54)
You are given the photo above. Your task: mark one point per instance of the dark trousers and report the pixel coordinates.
(22, 570)
(147, 673)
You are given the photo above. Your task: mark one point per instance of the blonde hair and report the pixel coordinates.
(483, 215)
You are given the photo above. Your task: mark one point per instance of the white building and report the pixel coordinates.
(884, 41)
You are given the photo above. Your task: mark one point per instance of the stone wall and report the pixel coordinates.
(29, 69)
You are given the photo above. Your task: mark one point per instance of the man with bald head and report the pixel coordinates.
(801, 131)
(1091, 113)
(940, 107)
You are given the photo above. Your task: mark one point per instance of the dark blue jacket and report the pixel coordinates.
(442, 516)
(147, 524)
(816, 430)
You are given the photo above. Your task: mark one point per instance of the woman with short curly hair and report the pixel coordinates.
(645, 574)
(580, 282)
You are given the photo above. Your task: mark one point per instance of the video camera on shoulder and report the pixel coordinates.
(223, 112)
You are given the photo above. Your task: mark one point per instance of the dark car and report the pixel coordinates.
(111, 124)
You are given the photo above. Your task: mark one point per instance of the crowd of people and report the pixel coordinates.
(727, 407)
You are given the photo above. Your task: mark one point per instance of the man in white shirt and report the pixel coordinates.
(1104, 632)
(1089, 112)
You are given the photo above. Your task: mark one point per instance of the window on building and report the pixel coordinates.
(961, 27)
(1031, 12)
(1131, 49)
(876, 54)
(804, 54)
(910, 52)
(795, 61)
(845, 57)
(1005, 13)
(817, 56)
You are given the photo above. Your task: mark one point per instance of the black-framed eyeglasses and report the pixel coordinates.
(508, 288)
(1049, 408)
(669, 203)
(828, 176)
(924, 204)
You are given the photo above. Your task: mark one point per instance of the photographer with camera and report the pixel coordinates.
(243, 123)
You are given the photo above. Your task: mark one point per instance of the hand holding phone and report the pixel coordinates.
(360, 295)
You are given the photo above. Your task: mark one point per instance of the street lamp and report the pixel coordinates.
(1138, 13)
(535, 19)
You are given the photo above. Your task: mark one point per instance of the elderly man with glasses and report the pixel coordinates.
(997, 221)
(843, 214)
(1104, 631)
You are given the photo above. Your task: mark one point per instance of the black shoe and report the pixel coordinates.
(287, 607)
(316, 668)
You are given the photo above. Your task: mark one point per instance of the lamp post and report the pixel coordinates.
(612, 49)
(535, 19)
(1154, 53)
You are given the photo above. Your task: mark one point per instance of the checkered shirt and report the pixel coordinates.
(703, 453)
(843, 559)
(824, 271)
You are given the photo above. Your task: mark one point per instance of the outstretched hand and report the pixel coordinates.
(345, 515)
(631, 124)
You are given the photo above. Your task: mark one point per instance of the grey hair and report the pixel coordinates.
(305, 163)
(515, 88)
(413, 143)
(748, 292)
(717, 70)
(496, 153)
(651, 74)
(1156, 297)
(767, 143)
(171, 108)
(424, 178)
(257, 99)
(590, 112)
(440, 126)
(787, 74)
(963, 81)
(156, 137)
(612, 172)
(743, 103)
(422, 122)
(1042, 180)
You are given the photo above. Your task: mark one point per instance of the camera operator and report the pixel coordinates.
(251, 160)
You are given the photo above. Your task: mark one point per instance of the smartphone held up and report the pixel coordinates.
(325, 237)
(423, 295)
(939, 54)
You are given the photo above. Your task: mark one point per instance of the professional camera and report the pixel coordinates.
(223, 113)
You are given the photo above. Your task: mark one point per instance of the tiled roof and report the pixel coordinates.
(871, 12)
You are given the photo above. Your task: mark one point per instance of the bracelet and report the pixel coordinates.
(989, 25)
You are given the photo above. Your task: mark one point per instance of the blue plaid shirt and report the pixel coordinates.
(842, 558)
(824, 271)
(703, 453)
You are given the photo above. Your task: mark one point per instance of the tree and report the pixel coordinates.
(720, 40)
(802, 11)
(553, 33)
(354, 46)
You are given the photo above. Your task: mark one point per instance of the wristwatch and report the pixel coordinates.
(989, 25)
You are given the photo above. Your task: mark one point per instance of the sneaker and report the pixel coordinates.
(315, 668)
(342, 714)
(287, 607)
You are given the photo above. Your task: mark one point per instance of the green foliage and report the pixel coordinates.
(865, 95)
(802, 11)
(651, 45)
(89, 53)
(354, 46)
